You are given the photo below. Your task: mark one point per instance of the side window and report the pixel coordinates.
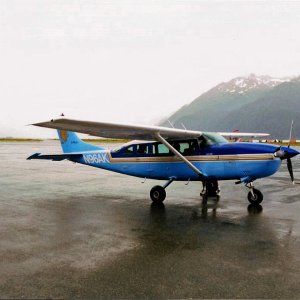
(151, 149)
(201, 142)
(145, 149)
(162, 149)
(142, 149)
(185, 148)
(129, 150)
(176, 145)
(194, 146)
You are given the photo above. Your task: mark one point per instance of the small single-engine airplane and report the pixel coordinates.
(172, 154)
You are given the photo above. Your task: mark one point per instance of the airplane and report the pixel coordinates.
(172, 154)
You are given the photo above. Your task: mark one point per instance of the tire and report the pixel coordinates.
(258, 197)
(158, 194)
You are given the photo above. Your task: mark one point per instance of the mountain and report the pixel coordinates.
(252, 103)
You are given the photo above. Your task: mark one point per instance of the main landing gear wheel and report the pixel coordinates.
(255, 196)
(158, 194)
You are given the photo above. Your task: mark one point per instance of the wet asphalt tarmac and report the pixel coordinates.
(71, 231)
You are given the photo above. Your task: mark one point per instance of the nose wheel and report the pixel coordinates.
(255, 196)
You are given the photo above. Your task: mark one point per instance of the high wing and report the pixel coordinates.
(119, 131)
(136, 132)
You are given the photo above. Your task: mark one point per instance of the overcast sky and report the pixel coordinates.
(133, 61)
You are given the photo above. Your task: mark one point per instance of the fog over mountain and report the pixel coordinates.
(252, 103)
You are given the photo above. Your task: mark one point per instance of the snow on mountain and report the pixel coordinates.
(250, 104)
(241, 85)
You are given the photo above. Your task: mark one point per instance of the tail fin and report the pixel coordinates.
(70, 142)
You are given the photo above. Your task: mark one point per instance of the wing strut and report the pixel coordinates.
(177, 153)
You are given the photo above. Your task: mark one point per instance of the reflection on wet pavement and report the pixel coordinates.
(69, 231)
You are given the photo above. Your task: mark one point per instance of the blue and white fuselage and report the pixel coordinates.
(259, 162)
(219, 161)
(173, 154)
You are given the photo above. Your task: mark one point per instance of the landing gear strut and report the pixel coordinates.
(210, 189)
(255, 196)
(158, 193)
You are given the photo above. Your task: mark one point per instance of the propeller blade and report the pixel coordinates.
(291, 130)
(290, 168)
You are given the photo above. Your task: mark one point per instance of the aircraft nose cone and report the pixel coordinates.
(290, 152)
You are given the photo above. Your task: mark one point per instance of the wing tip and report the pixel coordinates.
(44, 124)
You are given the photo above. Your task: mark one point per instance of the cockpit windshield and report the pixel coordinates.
(210, 139)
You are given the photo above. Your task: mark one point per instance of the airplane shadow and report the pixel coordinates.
(254, 209)
(199, 225)
(208, 205)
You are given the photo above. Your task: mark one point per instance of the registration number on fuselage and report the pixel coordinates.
(96, 158)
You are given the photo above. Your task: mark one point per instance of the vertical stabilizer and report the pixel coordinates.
(70, 142)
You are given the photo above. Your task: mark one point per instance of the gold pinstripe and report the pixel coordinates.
(196, 158)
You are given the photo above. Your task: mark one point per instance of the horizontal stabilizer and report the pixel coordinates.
(55, 157)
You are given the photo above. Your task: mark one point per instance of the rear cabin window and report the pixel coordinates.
(134, 151)
(129, 151)
(144, 149)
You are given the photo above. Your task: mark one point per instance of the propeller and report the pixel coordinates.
(287, 153)
(290, 168)
(288, 160)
